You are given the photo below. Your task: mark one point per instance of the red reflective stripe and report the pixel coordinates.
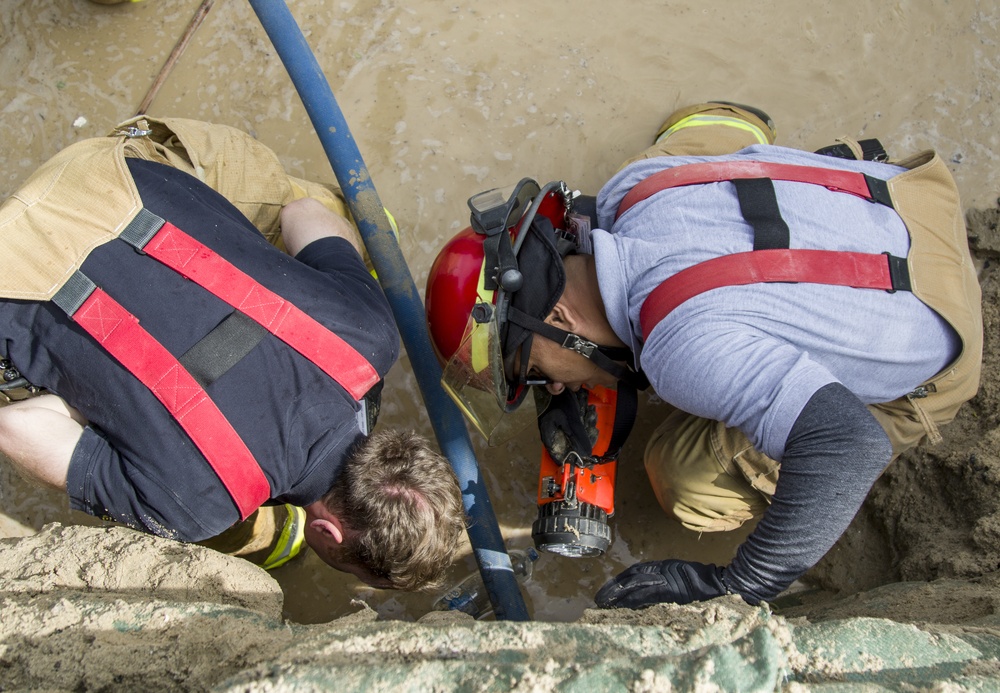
(208, 269)
(718, 171)
(859, 270)
(119, 332)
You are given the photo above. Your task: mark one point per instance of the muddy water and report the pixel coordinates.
(446, 99)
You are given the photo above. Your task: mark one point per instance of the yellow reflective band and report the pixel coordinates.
(480, 345)
(392, 223)
(699, 120)
(395, 232)
(292, 539)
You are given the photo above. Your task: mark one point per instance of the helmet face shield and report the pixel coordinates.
(474, 379)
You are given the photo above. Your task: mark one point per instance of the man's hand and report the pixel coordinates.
(673, 581)
(568, 425)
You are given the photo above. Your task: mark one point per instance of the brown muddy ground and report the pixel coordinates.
(448, 99)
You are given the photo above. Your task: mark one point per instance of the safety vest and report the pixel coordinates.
(89, 184)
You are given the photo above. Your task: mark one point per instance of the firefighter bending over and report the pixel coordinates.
(806, 317)
(195, 382)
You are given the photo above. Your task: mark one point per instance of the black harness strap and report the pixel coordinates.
(222, 348)
(871, 150)
(760, 209)
(626, 410)
(604, 357)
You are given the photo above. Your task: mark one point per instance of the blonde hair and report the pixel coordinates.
(402, 501)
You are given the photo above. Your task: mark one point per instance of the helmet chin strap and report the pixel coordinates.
(604, 357)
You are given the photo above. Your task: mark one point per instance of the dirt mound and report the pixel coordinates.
(108, 609)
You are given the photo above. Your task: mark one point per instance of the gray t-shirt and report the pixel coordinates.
(752, 356)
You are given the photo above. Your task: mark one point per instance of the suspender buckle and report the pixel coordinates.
(922, 391)
(139, 128)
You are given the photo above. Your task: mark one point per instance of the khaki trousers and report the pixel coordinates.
(708, 476)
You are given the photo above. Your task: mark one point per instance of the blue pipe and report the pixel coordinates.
(407, 306)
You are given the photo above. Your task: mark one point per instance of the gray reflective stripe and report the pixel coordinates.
(362, 417)
(74, 292)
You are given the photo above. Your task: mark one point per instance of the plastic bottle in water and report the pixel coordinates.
(470, 596)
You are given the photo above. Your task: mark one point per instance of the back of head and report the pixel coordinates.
(402, 502)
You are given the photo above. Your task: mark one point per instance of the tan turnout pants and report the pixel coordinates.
(708, 476)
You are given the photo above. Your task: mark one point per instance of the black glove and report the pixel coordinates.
(676, 581)
(568, 425)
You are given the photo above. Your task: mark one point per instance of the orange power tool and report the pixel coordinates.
(576, 485)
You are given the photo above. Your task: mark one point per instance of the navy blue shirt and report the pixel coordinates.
(134, 464)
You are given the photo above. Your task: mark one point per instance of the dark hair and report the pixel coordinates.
(401, 500)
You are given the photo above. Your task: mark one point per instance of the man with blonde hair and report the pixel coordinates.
(174, 371)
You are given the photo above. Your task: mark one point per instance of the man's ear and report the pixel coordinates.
(329, 527)
(564, 317)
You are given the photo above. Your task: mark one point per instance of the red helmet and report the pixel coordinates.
(452, 291)
(474, 285)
